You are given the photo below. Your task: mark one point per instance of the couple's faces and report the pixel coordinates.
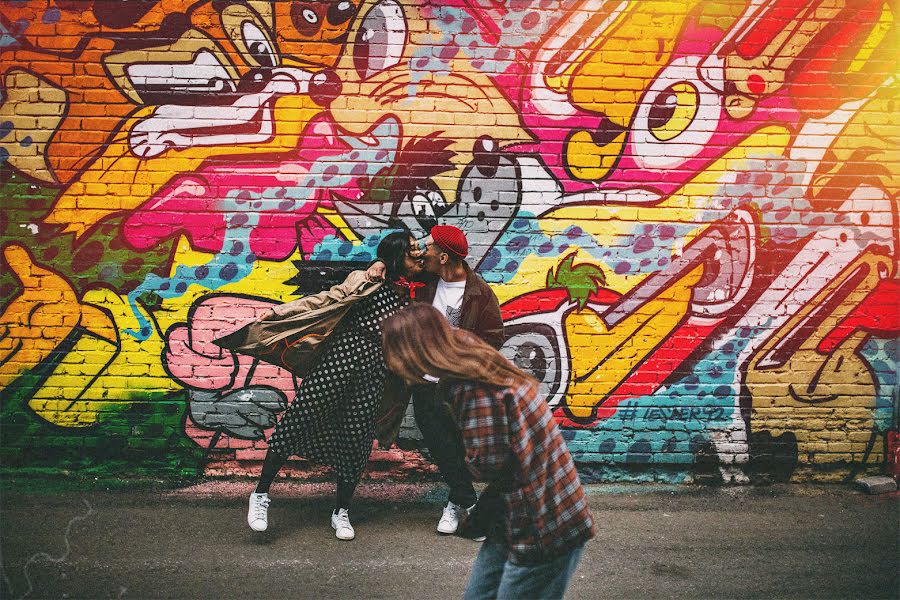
(412, 262)
(431, 256)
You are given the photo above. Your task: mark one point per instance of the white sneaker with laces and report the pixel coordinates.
(258, 515)
(453, 514)
(340, 521)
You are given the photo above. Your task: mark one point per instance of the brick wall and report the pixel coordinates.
(688, 211)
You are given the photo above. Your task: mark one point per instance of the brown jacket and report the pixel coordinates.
(291, 335)
(480, 309)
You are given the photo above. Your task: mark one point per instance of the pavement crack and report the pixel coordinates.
(46, 557)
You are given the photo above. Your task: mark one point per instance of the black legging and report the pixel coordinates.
(273, 463)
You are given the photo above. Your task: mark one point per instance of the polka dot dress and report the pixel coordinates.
(332, 417)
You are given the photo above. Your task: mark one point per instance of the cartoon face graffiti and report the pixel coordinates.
(345, 136)
(177, 82)
(181, 53)
(681, 90)
(394, 67)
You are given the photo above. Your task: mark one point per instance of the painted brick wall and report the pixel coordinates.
(687, 209)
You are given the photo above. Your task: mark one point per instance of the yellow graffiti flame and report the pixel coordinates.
(602, 357)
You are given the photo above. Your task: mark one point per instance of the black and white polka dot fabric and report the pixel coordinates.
(332, 418)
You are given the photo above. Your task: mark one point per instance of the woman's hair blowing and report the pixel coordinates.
(419, 341)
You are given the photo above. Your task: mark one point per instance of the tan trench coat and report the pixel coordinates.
(291, 335)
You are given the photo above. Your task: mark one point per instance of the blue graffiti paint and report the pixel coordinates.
(671, 424)
(6, 38)
(5, 128)
(675, 421)
(223, 268)
(243, 209)
(884, 357)
(51, 15)
(338, 249)
(775, 191)
(647, 248)
(461, 35)
(496, 52)
(10, 37)
(525, 237)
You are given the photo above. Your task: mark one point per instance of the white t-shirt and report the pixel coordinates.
(448, 299)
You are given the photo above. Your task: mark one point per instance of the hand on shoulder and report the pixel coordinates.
(376, 271)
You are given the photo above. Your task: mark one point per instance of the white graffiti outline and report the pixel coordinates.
(174, 126)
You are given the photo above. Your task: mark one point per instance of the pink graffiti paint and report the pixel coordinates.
(196, 362)
(226, 193)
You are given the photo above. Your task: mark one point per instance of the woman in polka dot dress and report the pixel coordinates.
(332, 417)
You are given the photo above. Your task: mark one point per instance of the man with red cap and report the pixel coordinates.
(469, 303)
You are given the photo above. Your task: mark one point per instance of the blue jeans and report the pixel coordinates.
(493, 576)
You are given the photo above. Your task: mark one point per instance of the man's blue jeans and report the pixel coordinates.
(493, 576)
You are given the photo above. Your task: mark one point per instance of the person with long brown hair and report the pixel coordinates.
(533, 511)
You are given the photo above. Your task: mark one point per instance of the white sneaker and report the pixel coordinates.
(258, 515)
(453, 514)
(340, 521)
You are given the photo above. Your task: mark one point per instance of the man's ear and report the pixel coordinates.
(444, 258)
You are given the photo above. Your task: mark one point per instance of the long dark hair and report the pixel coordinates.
(392, 251)
(419, 341)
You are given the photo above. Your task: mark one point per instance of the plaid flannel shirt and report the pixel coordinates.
(512, 441)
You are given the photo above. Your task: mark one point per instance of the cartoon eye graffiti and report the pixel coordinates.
(427, 204)
(258, 45)
(536, 343)
(677, 117)
(534, 348)
(341, 12)
(309, 16)
(673, 110)
(305, 19)
(380, 40)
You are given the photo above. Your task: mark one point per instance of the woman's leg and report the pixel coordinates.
(487, 571)
(340, 516)
(344, 494)
(357, 408)
(359, 405)
(271, 465)
(258, 511)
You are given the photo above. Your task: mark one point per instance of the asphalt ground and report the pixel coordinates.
(82, 540)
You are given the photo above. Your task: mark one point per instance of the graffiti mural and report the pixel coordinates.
(689, 211)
